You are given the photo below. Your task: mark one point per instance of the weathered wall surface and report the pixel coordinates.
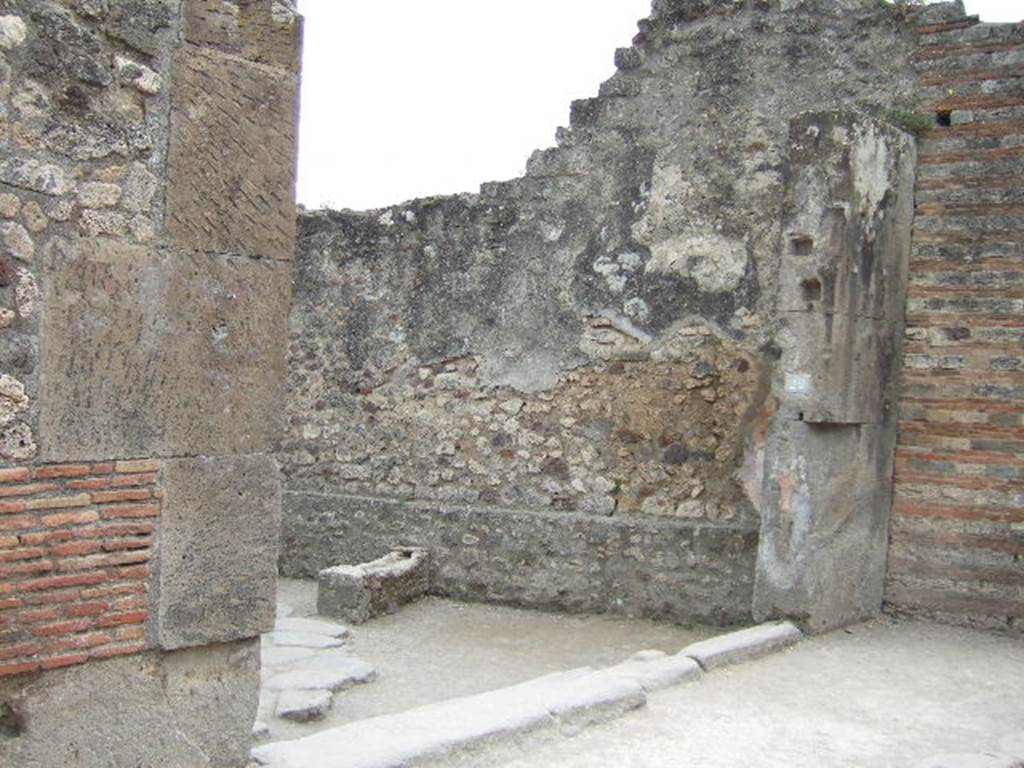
(828, 467)
(564, 384)
(957, 540)
(147, 231)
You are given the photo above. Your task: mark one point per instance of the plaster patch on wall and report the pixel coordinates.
(717, 263)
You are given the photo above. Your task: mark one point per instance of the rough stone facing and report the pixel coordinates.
(640, 567)
(599, 340)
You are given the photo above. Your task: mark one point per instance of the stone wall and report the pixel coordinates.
(567, 384)
(147, 226)
(957, 543)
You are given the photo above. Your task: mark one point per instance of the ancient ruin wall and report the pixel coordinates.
(957, 540)
(147, 229)
(563, 385)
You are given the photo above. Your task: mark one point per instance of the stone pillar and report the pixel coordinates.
(842, 289)
(147, 153)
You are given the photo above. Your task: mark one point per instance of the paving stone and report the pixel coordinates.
(304, 640)
(260, 731)
(442, 730)
(743, 645)
(277, 657)
(338, 662)
(303, 706)
(312, 679)
(314, 626)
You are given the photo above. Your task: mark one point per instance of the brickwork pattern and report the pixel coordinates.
(75, 546)
(957, 536)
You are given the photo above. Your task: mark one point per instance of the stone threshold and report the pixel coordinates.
(562, 704)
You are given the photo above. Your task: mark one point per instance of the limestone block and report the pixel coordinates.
(190, 708)
(265, 30)
(657, 670)
(217, 552)
(822, 549)
(844, 265)
(232, 155)
(148, 352)
(743, 645)
(360, 592)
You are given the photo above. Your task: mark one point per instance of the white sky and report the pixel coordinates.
(410, 98)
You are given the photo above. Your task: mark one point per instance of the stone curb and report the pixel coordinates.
(744, 645)
(565, 702)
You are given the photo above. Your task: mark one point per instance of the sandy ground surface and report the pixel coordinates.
(439, 649)
(882, 695)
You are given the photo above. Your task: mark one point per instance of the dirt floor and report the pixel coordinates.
(439, 649)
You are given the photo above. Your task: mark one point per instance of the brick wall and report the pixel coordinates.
(957, 536)
(75, 546)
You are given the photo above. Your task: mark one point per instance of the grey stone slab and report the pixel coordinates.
(314, 626)
(655, 672)
(305, 640)
(303, 705)
(332, 678)
(338, 662)
(216, 572)
(275, 656)
(743, 645)
(191, 708)
(158, 352)
(569, 699)
(284, 611)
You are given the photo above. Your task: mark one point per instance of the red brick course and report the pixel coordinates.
(75, 542)
(956, 544)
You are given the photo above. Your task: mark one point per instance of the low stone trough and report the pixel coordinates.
(357, 593)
